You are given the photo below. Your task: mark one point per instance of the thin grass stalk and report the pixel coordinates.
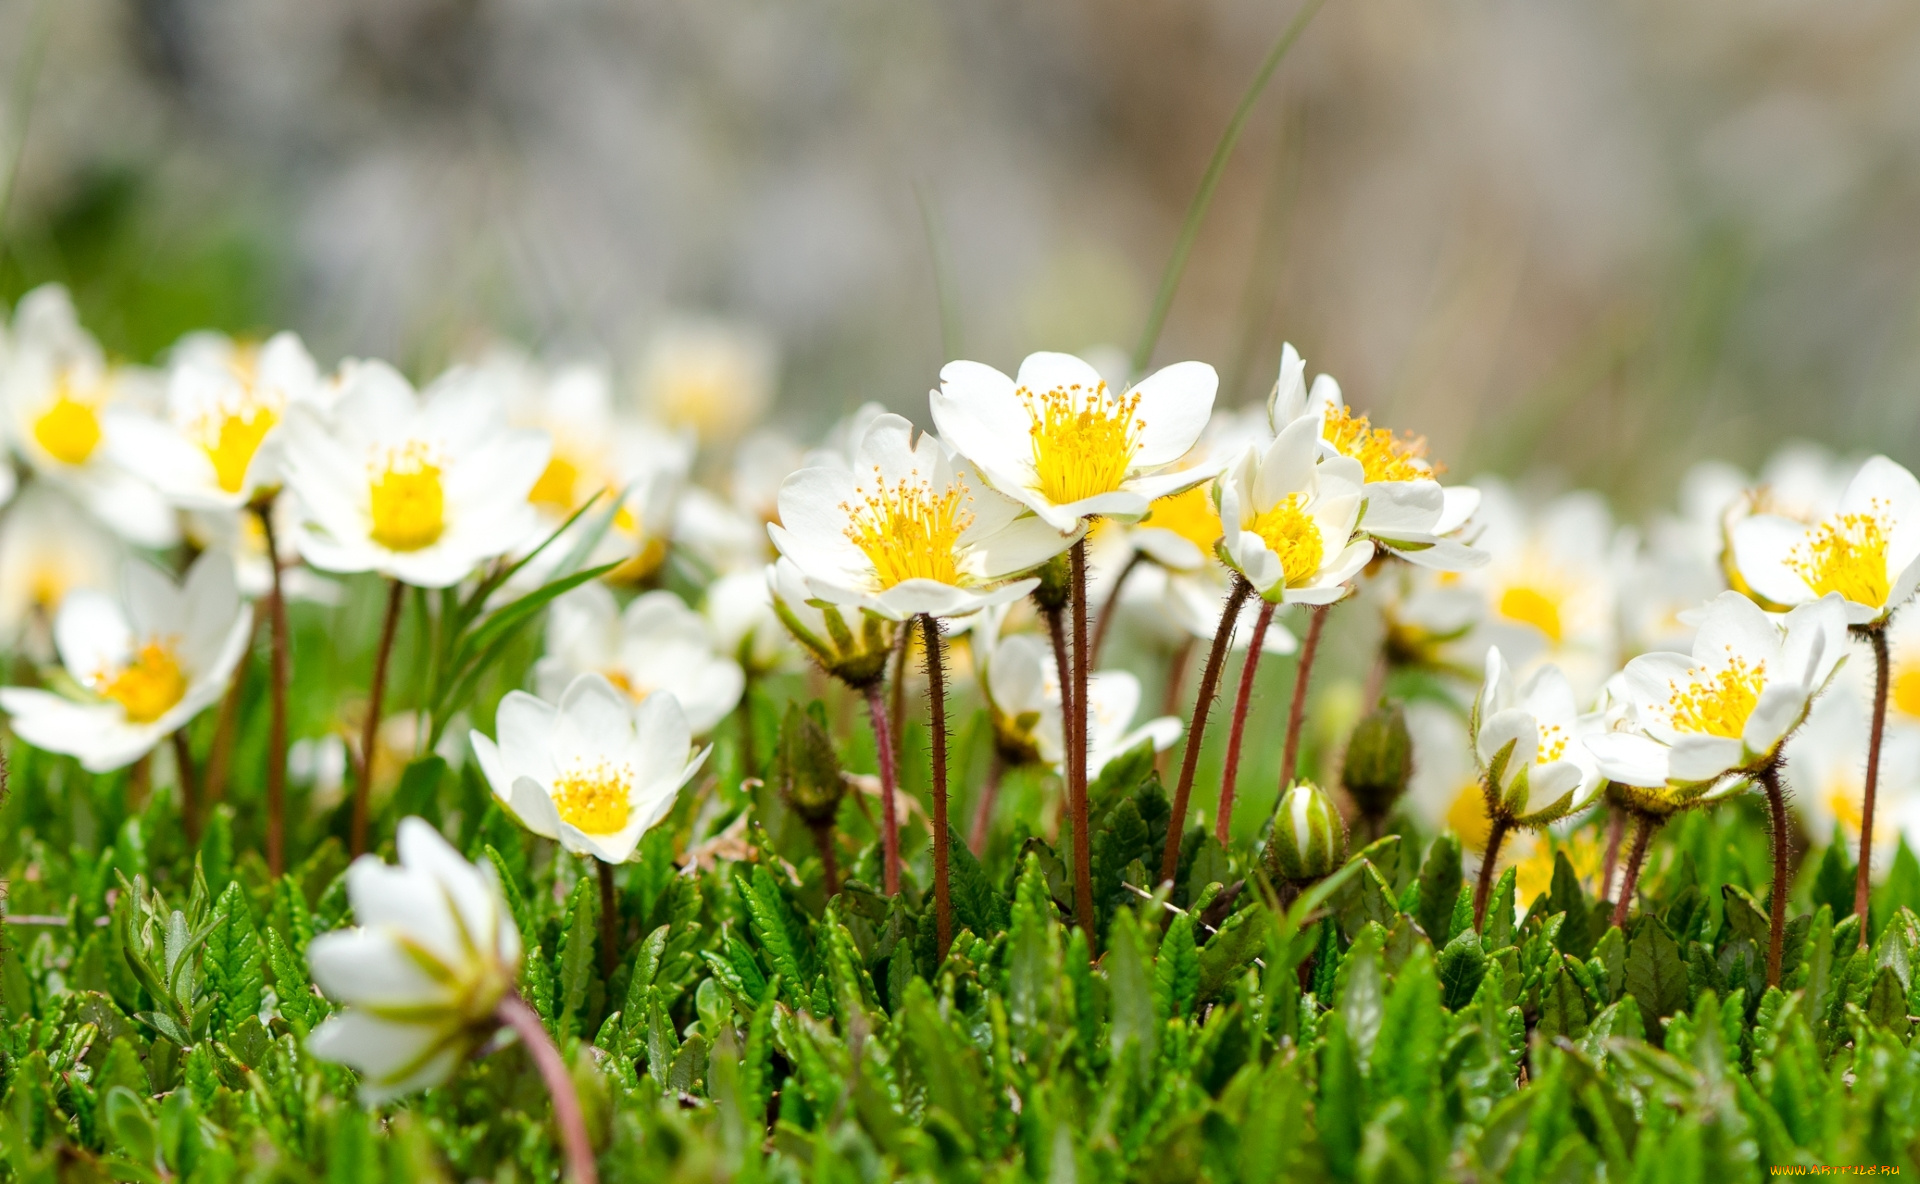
(278, 674)
(1297, 712)
(370, 735)
(567, 1116)
(1230, 774)
(1197, 730)
(937, 719)
(883, 749)
(1877, 636)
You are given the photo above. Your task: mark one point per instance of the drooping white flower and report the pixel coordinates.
(853, 646)
(56, 389)
(595, 771)
(655, 644)
(1060, 442)
(1289, 519)
(421, 488)
(908, 530)
(149, 661)
(215, 446)
(1407, 510)
(422, 975)
(1023, 693)
(1530, 743)
(715, 377)
(49, 547)
(1725, 709)
(1867, 551)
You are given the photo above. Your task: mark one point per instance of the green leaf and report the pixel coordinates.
(234, 961)
(1833, 883)
(1656, 971)
(1176, 971)
(1440, 882)
(1235, 944)
(789, 952)
(1462, 965)
(1133, 1022)
(977, 906)
(1887, 1003)
(574, 969)
(1500, 907)
(1563, 1005)
(297, 1004)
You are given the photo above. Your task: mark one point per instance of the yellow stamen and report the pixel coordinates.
(231, 437)
(597, 800)
(1536, 606)
(69, 427)
(408, 503)
(1190, 515)
(627, 687)
(1552, 744)
(1846, 554)
(1083, 440)
(1717, 702)
(1292, 534)
(909, 532)
(147, 687)
(1381, 455)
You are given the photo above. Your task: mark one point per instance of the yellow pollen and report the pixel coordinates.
(408, 504)
(147, 687)
(1906, 688)
(627, 687)
(1534, 606)
(1717, 702)
(1552, 744)
(1846, 554)
(909, 532)
(1190, 515)
(1381, 455)
(596, 801)
(69, 428)
(1292, 534)
(1083, 440)
(231, 437)
(555, 487)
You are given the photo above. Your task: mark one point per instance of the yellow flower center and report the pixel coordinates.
(1539, 607)
(1846, 554)
(69, 427)
(1533, 872)
(1190, 515)
(555, 487)
(1381, 455)
(409, 506)
(619, 679)
(1906, 688)
(1717, 702)
(1552, 744)
(148, 686)
(1292, 534)
(909, 532)
(231, 437)
(1083, 440)
(596, 801)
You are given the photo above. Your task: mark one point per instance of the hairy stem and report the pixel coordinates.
(889, 814)
(525, 1022)
(277, 701)
(189, 789)
(829, 859)
(983, 810)
(1483, 887)
(370, 737)
(1616, 830)
(937, 717)
(1170, 697)
(1077, 749)
(1316, 620)
(1109, 608)
(1877, 635)
(1643, 827)
(1231, 772)
(609, 920)
(1197, 730)
(1777, 820)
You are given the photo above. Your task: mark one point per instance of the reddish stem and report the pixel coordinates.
(1077, 749)
(1643, 828)
(609, 921)
(1483, 888)
(1316, 621)
(189, 790)
(889, 814)
(1109, 608)
(1229, 776)
(370, 737)
(1196, 732)
(937, 717)
(1877, 635)
(525, 1022)
(983, 811)
(1616, 830)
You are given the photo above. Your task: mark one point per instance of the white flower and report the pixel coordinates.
(57, 390)
(1868, 551)
(49, 548)
(908, 531)
(656, 643)
(855, 651)
(435, 952)
(1530, 743)
(594, 772)
(1289, 519)
(421, 488)
(1409, 512)
(152, 659)
(1725, 709)
(712, 376)
(216, 445)
(1024, 694)
(740, 615)
(1064, 445)
(1826, 770)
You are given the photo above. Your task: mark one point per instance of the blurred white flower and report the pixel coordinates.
(1023, 694)
(57, 391)
(1057, 440)
(215, 446)
(655, 644)
(49, 547)
(1530, 743)
(908, 531)
(1288, 519)
(1826, 770)
(421, 488)
(435, 952)
(1867, 551)
(740, 615)
(593, 772)
(712, 376)
(148, 661)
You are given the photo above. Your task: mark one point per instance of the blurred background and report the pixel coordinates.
(1594, 241)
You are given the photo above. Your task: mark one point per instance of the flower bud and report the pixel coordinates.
(1379, 760)
(808, 771)
(1309, 839)
(854, 651)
